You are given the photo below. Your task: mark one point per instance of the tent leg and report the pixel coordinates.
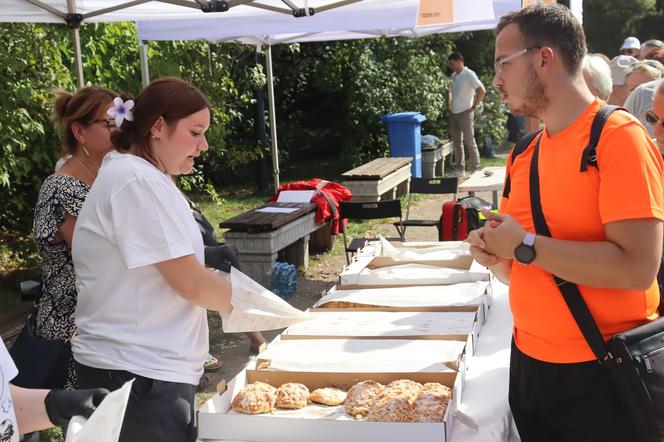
(261, 136)
(145, 62)
(273, 120)
(78, 60)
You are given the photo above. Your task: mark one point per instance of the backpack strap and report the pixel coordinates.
(520, 147)
(589, 156)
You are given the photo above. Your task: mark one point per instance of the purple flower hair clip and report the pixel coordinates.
(121, 110)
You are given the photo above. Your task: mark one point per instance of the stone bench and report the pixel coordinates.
(262, 237)
(382, 178)
(433, 160)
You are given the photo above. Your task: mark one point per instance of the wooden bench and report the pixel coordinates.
(260, 237)
(382, 178)
(433, 160)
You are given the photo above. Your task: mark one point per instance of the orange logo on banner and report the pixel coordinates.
(435, 12)
(525, 3)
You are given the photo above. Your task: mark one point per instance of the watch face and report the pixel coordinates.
(524, 254)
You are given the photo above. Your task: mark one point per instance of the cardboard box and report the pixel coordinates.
(353, 272)
(216, 421)
(482, 305)
(349, 324)
(363, 355)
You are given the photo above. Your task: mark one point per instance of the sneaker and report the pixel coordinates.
(473, 170)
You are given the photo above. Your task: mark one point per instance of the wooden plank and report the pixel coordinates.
(253, 221)
(376, 169)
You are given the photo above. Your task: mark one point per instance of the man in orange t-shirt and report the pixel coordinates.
(606, 227)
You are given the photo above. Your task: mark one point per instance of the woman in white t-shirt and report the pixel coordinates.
(138, 255)
(24, 410)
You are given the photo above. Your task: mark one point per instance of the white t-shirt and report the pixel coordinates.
(641, 100)
(8, 371)
(464, 84)
(127, 316)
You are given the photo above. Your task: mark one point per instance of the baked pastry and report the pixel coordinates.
(431, 403)
(362, 396)
(328, 396)
(292, 395)
(410, 388)
(394, 406)
(256, 398)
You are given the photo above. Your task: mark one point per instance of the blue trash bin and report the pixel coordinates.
(404, 136)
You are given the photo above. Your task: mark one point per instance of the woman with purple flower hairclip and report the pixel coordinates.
(139, 261)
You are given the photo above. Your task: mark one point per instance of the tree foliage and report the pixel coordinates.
(329, 97)
(608, 22)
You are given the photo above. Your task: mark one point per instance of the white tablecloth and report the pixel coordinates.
(484, 397)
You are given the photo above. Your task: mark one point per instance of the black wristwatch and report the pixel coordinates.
(525, 252)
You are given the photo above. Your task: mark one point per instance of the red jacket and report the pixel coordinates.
(327, 199)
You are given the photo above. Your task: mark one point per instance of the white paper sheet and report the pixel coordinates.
(463, 294)
(412, 274)
(255, 308)
(105, 423)
(442, 252)
(277, 209)
(295, 196)
(363, 355)
(385, 324)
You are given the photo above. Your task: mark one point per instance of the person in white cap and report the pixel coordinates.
(620, 65)
(631, 46)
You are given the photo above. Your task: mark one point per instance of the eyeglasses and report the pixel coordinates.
(498, 65)
(110, 124)
(652, 119)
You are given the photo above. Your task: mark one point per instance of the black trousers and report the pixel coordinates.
(157, 411)
(566, 402)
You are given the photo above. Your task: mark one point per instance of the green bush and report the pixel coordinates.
(329, 97)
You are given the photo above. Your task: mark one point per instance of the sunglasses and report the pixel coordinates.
(652, 119)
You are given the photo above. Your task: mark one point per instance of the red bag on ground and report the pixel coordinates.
(460, 217)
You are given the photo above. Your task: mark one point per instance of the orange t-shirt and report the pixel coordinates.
(576, 205)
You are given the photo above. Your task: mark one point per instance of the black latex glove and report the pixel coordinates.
(62, 405)
(222, 258)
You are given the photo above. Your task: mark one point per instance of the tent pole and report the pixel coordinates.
(273, 120)
(78, 60)
(145, 62)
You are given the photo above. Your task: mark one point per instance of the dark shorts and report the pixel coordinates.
(566, 402)
(157, 410)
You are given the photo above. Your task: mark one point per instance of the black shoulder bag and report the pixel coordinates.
(633, 358)
(41, 363)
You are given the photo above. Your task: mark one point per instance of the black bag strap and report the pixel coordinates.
(589, 156)
(569, 290)
(520, 147)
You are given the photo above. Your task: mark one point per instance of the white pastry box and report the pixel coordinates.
(463, 297)
(217, 421)
(349, 324)
(384, 272)
(363, 355)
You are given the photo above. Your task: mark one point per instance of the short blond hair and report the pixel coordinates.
(646, 68)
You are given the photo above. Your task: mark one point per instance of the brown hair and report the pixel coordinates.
(551, 25)
(81, 107)
(168, 97)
